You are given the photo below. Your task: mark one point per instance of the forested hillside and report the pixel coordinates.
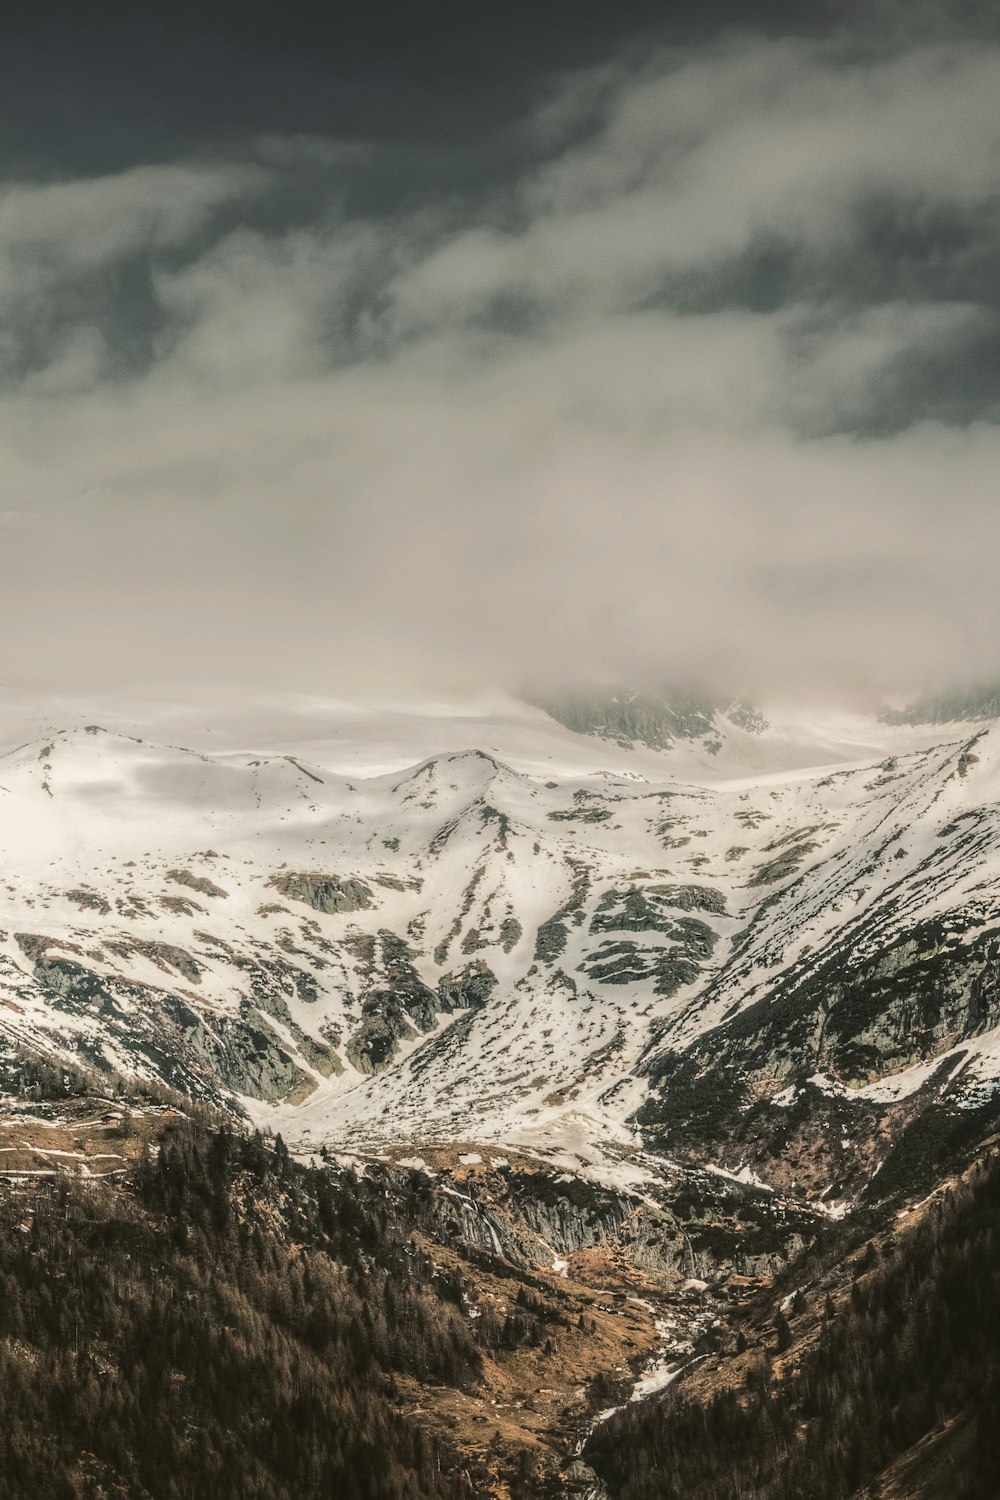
(187, 1310)
(227, 1323)
(214, 1318)
(902, 1361)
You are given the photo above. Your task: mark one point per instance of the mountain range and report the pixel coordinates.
(528, 939)
(679, 1003)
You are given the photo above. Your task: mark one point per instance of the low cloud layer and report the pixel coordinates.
(710, 389)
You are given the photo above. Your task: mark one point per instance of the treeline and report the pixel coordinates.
(915, 1345)
(228, 1325)
(31, 1075)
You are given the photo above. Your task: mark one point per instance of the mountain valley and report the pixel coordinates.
(633, 1034)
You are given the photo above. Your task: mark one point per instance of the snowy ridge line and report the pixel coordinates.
(492, 944)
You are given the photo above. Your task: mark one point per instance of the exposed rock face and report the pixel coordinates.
(860, 1018)
(511, 933)
(160, 1029)
(248, 1058)
(35, 945)
(846, 1019)
(787, 855)
(695, 1225)
(402, 983)
(551, 939)
(199, 883)
(552, 936)
(582, 813)
(267, 983)
(646, 909)
(326, 893)
(91, 900)
(166, 956)
(670, 969)
(396, 1007)
(71, 985)
(650, 909)
(468, 988)
(922, 994)
(376, 1041)
(654, 719)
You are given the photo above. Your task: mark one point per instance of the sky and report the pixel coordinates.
(370, 347)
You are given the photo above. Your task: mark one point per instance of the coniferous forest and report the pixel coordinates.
(912, 1351)
(224, 1321)
(228, 1324)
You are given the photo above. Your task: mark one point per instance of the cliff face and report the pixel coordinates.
(682, 1222)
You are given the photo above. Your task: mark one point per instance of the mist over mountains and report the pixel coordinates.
(499, 750)
(609, 1067)
(687, 369)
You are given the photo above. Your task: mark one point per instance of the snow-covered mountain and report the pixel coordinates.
(657, 720)
(388, 927)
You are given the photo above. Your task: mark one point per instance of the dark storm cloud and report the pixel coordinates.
(95, 88)
(681, 362)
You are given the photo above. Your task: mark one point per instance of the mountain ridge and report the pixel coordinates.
(471, 949)
(622, 1047)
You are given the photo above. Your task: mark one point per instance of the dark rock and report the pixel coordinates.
(326, 893)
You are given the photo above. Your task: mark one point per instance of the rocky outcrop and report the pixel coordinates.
(511, 933)
(861, 1017)
(468, 988)
(89, 900)
(396, 1007)
(200, 883)
(627, 962)
(70, 985)
(269, 1000)
(552, 936)
(776, 1084)
(376, 1041)
(248, 1058)
(158, 1029)
(166, 956)
(649, 908)
(695, 1225)
(326, 893)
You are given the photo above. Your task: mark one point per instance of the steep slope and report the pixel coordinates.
(621, 1040)
(771, 975)
(327, 1325)
(872, 1376)
(867, 975)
